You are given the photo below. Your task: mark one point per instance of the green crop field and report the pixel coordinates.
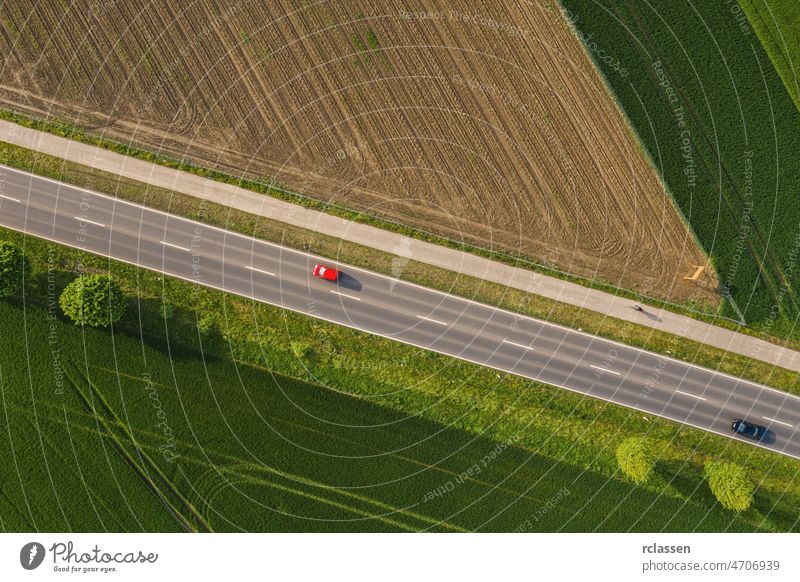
(777, 23)
(713, 114)
(125, 435)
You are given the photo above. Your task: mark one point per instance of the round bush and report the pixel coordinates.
(636, 459)
(730, 485)
(93, 300)
(13, 269)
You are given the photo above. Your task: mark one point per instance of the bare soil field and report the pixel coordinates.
(483, 121)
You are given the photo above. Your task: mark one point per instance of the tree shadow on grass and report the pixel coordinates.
(687, 478)
(175, 335)
(777, 508)
(47, 286)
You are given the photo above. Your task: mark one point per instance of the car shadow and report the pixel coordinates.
(769, 437)
(349, 282)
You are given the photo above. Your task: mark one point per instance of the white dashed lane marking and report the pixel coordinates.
(345, 295)
(436, 321)
(505, 341)
(259, 270)
(166, 244)
(687, 394)
(604, 370)
(777, 421)
(87, 221)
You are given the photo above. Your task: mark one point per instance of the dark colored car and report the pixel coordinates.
(324, 272)
(749, 430)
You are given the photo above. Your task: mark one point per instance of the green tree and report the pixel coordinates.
(93, 300)
(636, 459)
(730, 485)
(13, 269)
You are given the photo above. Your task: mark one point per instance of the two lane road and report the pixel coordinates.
(395, 309)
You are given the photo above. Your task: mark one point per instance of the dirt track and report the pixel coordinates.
(481, 121)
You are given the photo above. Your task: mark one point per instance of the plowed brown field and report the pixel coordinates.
(483, 121)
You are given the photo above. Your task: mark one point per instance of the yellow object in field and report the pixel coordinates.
(697, 272)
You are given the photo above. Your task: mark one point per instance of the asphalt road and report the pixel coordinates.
(397, 310)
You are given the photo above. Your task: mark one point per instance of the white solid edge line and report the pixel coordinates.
(346, 295)
(396, 280)
(524, 347)
(174, 247)
(259, 270)
(348, 325)
(87, 221)
(9, 198)
(688, 394)
(432, 320)
(778, 421)
(605, 370)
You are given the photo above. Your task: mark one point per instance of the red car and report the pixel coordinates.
(324, 272)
